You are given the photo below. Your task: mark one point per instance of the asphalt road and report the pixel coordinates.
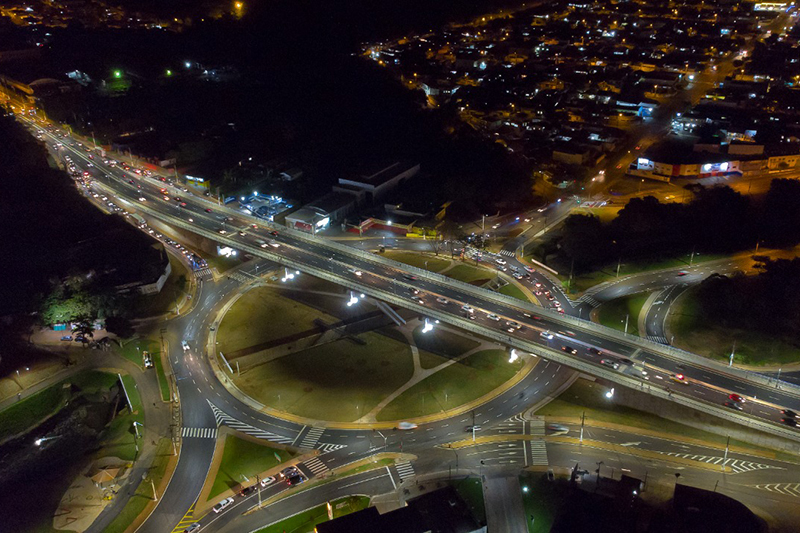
(199, 388)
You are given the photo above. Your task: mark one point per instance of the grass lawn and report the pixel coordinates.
(29, 412)
(614, 312)
(173, 292)
(306, 521)
(337, 381)
(443, 342)
(470, 274)
(419, 260)
(144, 493)
(471, 490)
(484, 371)
(589, 397)
(703, 336)
(133, 351)
(261, 315)
(541, 501)
(515, 292)
(242, 457)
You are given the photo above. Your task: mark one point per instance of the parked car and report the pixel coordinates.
(267, 481)
(66, 338)
(295, 480)
(227, 502)
(148, 361)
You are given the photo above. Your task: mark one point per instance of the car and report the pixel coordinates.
(492, 316)
(148, 361)
(295, 480)
(467, 308)
(569, 349)
(227, 502)
(406, 426)
(142, 199)
(358, 273)
(546, 335)
(242, 234)
(182, 204)
(682, 273)
(208, 209)
(166, 198)
(267, 481)
(513, 324)
(288, 471)
(529, 269)
(501, 268)
(557, 303)
(247, 490)
(470, 429)
(470, 316)
(222, 231)
(789, 413)
(500, 261)
(417, 299)
(609, 363)
(185, 345)
(273, 233)
(132, 182)
(558, 428)
(679, 378)
(410, 277)
(191, 529)
(177, 198)
(442, 300)
(733, 405)
(66, 338)
(789, 422)
(736, 398)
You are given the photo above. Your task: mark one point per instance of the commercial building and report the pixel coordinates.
(322, 212)
(375, 183)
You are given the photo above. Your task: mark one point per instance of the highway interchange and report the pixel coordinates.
(206, 403)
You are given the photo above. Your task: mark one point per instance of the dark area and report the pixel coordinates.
(766, 302)
(34, 478)
(718, 220)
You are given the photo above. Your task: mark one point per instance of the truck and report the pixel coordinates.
(140, 221)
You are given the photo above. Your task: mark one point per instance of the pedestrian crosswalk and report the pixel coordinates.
(590, 300)
(316, 466)
(199, 433)
(312, 437)
(658, 338)
(507, 253)
(537, 427)
(538, 453)
(404, 470)
(787, 489)
(737, 466)
(202, 273)
(224, 418)
(240, 277)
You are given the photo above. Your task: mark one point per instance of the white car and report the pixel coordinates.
(442, 300)
(546, 335)
(227, 502)
(467, 308)
(267, 481)
(492, 316)
(500, 261)
(142, 199)
(185, 345)
(406, 425)
(355, 272)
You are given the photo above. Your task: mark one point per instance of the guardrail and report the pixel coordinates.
(513, 342)
(502, 299)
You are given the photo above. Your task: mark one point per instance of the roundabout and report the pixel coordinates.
(300, 352)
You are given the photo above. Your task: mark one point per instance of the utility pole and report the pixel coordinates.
(583, 419)
(619, 262)
(258, 485)
(730, 362)
(626, 322)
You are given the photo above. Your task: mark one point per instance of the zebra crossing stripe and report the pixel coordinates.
(589, 300)
(658, 338)
(316, 466)
(203, 272)
(538, 453)
(404, 469)
(507, 253)
(737, 466)
(326, 448)
(199, 433)
(537, 428)
(223, 418)
(312, 437)
(787, 489)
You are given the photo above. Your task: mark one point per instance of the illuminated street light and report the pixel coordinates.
(610, 393)
(117, 74)
(353, 299)
(514, 356)
(169, 72)
(427, 327)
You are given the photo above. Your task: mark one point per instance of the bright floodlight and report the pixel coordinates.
(38, 442)
(514, 356)
(428, 326)
(353, 300)
(610, 394)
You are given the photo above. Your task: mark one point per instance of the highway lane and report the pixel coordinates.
(392, 278)
(400, 284)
